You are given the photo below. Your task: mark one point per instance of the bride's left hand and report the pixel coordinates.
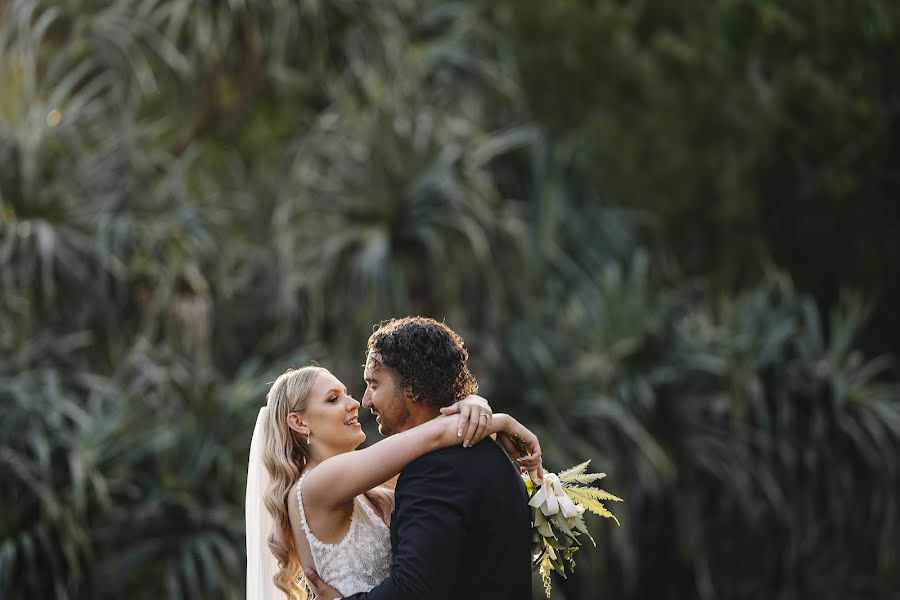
(474, 418)
(323, 590)
(529, 456)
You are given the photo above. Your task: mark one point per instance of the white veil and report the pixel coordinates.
(261, 563)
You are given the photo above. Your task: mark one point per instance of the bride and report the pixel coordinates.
(314, 503)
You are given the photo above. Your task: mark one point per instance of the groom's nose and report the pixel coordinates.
(367, 399)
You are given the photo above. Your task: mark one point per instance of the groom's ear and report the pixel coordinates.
(409, 395)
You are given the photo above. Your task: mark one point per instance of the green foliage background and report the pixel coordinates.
(611, 201)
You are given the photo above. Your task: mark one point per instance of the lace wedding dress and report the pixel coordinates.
(362, 559)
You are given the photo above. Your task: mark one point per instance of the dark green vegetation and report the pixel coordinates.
(752, 131)
(194, 196)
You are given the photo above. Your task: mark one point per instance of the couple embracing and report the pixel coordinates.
(326, 521)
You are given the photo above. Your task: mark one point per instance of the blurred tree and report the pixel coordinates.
(194, 196)
(731, 426)
(751, 131)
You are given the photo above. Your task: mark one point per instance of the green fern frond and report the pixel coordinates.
(586, 479)
(590, 492)
(590, 498)
(574, 471)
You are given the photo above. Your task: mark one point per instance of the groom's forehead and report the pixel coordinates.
(376, 370)
(373, 364)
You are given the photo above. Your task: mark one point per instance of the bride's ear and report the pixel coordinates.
(295, 422)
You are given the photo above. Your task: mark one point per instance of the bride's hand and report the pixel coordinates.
(323, 590)
(531, 460)
(474, 418)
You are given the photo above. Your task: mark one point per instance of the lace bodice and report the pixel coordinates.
(362, 559)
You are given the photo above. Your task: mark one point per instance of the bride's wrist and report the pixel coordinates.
(502, 423)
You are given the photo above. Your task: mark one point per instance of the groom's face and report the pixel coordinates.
(384, 397)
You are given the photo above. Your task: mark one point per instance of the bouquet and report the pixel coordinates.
(558, 504)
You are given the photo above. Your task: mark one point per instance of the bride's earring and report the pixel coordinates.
(307, 433)
(307, 446)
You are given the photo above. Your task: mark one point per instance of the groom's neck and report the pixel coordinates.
(419, 414)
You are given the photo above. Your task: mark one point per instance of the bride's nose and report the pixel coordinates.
(353, 404)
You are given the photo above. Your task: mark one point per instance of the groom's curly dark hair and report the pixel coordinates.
(429, 357)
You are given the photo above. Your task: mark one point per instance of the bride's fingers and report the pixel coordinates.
(323, 590)
(462, 420)
(534, 469)
(530, 467)
(483, 421)
(462, 423)
(472, 427)
(532, 445)
(314, 580)
(529, 460)
(510, 447)
(532, 457)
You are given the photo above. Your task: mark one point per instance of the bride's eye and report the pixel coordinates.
(333, 399)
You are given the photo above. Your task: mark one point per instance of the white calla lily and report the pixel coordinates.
(552, 498)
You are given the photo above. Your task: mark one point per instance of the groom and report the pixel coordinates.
(461, 526)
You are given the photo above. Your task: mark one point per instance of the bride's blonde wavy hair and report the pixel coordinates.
(284, 457)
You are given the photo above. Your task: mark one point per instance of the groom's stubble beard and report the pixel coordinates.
(396, 419)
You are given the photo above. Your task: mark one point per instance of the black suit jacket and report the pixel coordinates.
(461, 528)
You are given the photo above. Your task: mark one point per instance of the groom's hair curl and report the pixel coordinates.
(429, 357)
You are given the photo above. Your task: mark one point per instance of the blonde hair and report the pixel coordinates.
(284, 457)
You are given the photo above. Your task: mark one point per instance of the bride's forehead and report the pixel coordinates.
(326, 382)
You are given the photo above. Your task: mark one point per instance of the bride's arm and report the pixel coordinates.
(340, 478)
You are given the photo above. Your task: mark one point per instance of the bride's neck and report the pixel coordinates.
(320, 455)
